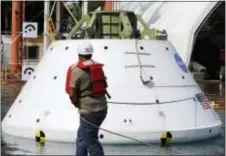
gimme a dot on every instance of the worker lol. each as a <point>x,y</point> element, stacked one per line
<point>87,90</point>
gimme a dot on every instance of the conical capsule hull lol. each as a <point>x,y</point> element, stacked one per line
<point>168,99</point>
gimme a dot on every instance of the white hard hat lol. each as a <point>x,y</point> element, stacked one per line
<point>85,48</point>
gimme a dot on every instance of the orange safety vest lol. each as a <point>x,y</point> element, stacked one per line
<point>68,79</point>
<point>97,76</point>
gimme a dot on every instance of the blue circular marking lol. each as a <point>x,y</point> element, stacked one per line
<point>180,63</point>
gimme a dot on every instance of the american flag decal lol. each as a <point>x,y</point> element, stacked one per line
<point>202,100</point>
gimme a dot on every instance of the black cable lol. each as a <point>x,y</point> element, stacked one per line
<point>124,136</point>
<point>2,45</point>
<point>148,103</point>
<point>131,138</point>
<point>116,133</point>
<point>36,16</point>
<point>2,50</point>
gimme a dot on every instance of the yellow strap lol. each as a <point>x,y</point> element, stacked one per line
<point>51,28</point>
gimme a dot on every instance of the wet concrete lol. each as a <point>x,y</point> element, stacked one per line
<point>215,92</point>
<point>8,94</point>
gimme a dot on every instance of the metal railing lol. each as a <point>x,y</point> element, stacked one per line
<point>9,77</point>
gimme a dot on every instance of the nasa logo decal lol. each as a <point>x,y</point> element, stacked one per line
<point>180,63</point>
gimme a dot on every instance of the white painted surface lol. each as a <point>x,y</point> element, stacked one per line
<point>44,98</point>
<point>45,33</point>
<point>180,19</point>
<point>85,7</point>
<point>58,16</point>
<point>7,41</point>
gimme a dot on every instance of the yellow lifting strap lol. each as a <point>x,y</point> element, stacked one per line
<point>51,28</point>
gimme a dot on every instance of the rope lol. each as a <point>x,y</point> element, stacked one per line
<point>149,103</point>
<point>36,16</point>
<point>121,135</point>
<point>124,136</point>
<point>138,58</point>
<point>20,33</point>
<point>140,64</point>
<point>178,86</point>
<point>154,92</point>
<point>132,138</point>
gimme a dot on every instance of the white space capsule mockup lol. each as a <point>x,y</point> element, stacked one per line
<point>151,89</point>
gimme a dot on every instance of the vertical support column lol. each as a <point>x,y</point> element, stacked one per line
<point>23,20</point>
<point>14,36</point>
<point>5,15</point>
<point>58,16</point>
<point>21,37</point>
<point>84,7</point>
<point>114,6</point>
<point>1,42</point>
<point>118,5</point>
<point>62,10</point>
<point>46,13</point>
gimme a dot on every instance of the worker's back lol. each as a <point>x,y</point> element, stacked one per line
<point>87,103</point>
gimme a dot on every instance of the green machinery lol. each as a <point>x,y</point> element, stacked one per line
<point>113,25</point>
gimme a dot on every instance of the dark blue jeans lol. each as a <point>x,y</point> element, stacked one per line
<point>87,135</point>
